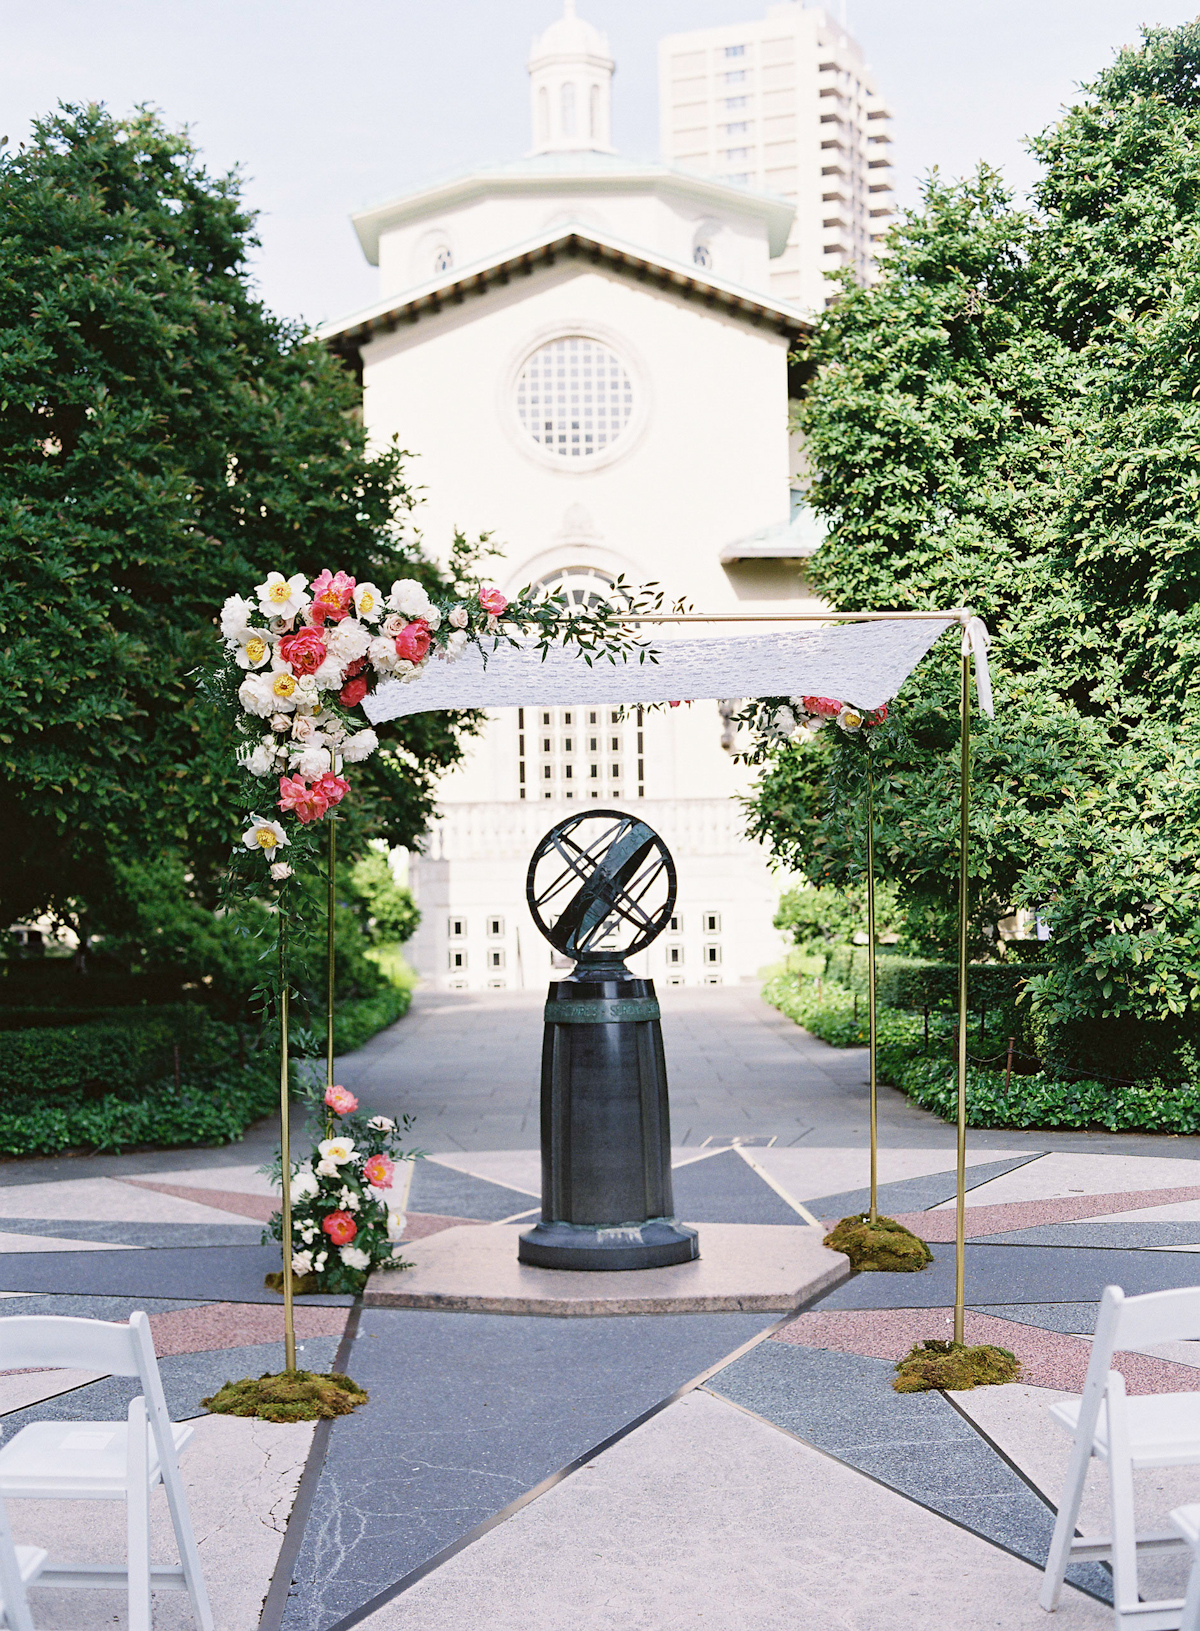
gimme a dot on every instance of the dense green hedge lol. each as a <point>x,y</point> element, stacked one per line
<point>1042,1100</point>
<point>919,983</point>
<point>357,1022</point>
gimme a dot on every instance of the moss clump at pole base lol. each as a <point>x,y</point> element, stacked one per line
<point>289,1396</point>
<point>934,1364</point>
<point>884,1245</point>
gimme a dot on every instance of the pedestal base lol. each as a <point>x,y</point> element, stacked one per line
<point>655,1244</point>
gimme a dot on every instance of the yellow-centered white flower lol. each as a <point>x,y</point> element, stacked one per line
<point>279,596</point>
<point>337,1150</point>
<point>265,835</point>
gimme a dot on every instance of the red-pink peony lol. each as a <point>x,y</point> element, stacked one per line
<point>332,789</point>
<point>352,693</point>
<point>309,803</point>
<point>822,707</point>
<point>412,642</point>
<point>340,1227</point>
<point>341,1101</point>
<point>877,718</point>
<point>333,596</point>
<point>492,601</point>
<point>304,650</point>
<point>379,1172</point>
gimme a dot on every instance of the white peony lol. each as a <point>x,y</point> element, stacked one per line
<point>281,870</point>
<point>264,835</point>
<point>337,1150</point>
<point>454,647</point>
<point>235,615</point>
<point>382,1124</point>
<point>304,1184</point>
<point>347,641</point>
<point>262,761</point>
<point>368,601</point>
<point>409,599</point>
<point>281,597</point>
<point>354,1257</point>
<point>360,746</point>
<point>383,655</point>
<point>311,763</point>
<point>396,1225</point>
<point>257,696</point>
<point>330,676</point>
<point>327,1168</point>
<point>302,1263</point>
<point>253,648</point>
<point>850,719</point>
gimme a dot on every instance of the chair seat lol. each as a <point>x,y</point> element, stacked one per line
<point>80,1460</point>
<point>1164,1428</point>
<point>1187,1520</point>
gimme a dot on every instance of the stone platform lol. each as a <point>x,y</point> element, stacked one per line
<point>742,1268</point>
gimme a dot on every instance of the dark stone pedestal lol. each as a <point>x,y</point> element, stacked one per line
<point>607,1202</point>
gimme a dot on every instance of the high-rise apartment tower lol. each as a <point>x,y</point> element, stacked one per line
<point>786,105</point>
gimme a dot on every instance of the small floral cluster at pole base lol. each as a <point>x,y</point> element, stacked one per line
<point>344,1222</point>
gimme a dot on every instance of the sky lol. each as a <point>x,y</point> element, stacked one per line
<point>326,108</point>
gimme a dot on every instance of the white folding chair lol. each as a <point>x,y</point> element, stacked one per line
<point>1159,1430</point>
<point>105,1460</point>
<point>1187,1521</point>
<point>19,1567</point>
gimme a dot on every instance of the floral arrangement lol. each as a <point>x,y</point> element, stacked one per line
<point>343,1221</point>
<point>776,720</point>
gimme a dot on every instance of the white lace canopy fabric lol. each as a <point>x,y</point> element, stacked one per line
<point>861,663</point>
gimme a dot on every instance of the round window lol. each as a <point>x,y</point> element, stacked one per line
<point>574,397</point>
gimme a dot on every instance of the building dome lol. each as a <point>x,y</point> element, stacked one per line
<point>570,81</point>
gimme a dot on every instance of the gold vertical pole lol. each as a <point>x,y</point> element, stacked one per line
<point>289,1313</point>
<point>871,986</point>
<point>332,907</point>
<point>964,820</point>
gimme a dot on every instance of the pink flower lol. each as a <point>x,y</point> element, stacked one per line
<point>333,596</point>
<point>412,643</point>
<point>379,1172</point>
<point>822,707</point>
<point>672,705</point>
<point>492,601</point>
<point>877,718</point>
<point>332,789</point>
<point>340,1227</point>
<point>340,1100</point>
<point>352,693</point>
<point>309,803</point>
<point>304,650</point>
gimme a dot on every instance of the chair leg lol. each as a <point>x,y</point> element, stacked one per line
<point>185,1538</point>
<point>1064,1526</point>
<point>137,1511</point>
<point>1190,1618</point>
<point>16,1615</point>
<point>1121,1507</point>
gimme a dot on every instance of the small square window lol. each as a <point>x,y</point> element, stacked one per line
<point>495,927</point>
<point>592,718</point>
<point>616,744</point>
<point>712,979</point>
<point>712,954</point>
<point>712,922</point>
<point>495,957</point>
<point>547,773</point>
<point>497,985</point>
<point>566,719</point>
<point>566,744</point>
<point>675,926</point>
<point>458,959</point>
<point>674,956</point>
<point>545,719</point>
<point>674,979</point>
<point>457,985</point>
<point>457,928</point>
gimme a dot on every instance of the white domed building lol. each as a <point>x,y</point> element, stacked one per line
<point>585,358</point>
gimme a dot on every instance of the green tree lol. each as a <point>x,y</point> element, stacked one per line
<point>1010,419</point>
<point>391,913</point>
<point>164,442</point>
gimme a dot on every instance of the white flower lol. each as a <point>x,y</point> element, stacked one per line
<point>348,1200</point>
<point>280,870</point>
<point>303,730</point>
<point>257,696</point>
<point>459,617</point>
<point>368,601</point>
<point>280,722</point>
<point>312,763</point>
<point>302,1263</point>
<point>396,1225</point>
<point>307,1233</point>
<point>327,1168</point>
<point>360,746</point>
<point>347,641</point>
<point>434,618</point>
<point>409,599</point>
<point>330,676</point>
<point>337,1150</point>
<point>307,698</point>
<point>304,1184</point>
<point>383,655</point>
<point>850,719</point>
<point>253,648</point>
<point>261,762</point>
<point>382,1124</point>
<point>454,647</point>
<point>279,596</point>
<point>320,1261</point>
<point>354,1258</point>
<point>235,615</point>
<point>264,835</point>
<point>783,721</point>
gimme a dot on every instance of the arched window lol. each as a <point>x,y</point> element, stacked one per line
<point>574,397</point>
<point>594,114</point>
<point>578,585</point>
<point>443,259</point>
<point>543,114</point>
<point>568,109</point>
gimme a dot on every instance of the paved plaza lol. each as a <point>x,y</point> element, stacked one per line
<point>654,1471</point>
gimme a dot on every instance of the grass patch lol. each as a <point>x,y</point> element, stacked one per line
<point>933,1364</point>
<point>884,1246</point>
<point>289,1396</point>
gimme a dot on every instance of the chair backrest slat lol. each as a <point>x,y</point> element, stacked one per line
<point>53,1340</point>
<point>1159,1316</point>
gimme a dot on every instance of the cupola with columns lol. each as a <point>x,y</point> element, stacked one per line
<point>570,83</point>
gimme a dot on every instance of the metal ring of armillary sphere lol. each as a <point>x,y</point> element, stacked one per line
<point>601,884</point>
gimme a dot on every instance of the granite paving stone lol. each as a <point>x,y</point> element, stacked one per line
<point>916,1443</point>
<point>914,1194</point>
<point>1010,1274</point>
<point>213,1273</point>
<point>467,1412</point>
<point>448,1192</point>
<point>1073,1319</point>
<point>723,1189</point>
<point>1122,1236</point>
<point>140,1234</point>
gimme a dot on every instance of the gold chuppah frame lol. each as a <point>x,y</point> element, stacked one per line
<point>961,617</point>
